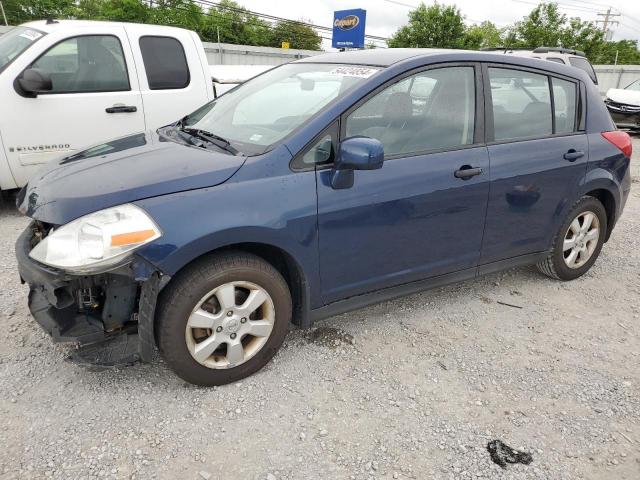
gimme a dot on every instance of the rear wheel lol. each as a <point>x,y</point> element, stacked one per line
<point>223,318</point>
<point>578,242</point>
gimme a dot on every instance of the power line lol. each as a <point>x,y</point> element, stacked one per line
<point>274,17</point>
<point>606,22</point>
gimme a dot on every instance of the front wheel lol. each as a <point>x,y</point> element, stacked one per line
<point>578,242</point>
<point>223,318</point>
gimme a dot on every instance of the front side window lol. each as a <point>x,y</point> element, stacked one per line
<point>263,110</point>
<point>431,110</point>
<point>583,64</point>
<point>521,104</point>
<point>165,63</point>
<point>16,41</point>
<point>91,63</point>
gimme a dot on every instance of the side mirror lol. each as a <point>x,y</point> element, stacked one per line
<point>356,153</point>
<point>34,81</point>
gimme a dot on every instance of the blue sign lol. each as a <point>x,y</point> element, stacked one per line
<point>348,28</point>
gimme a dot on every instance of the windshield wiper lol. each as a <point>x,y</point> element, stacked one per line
<point>211,138</point>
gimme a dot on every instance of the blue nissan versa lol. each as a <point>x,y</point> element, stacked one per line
<point>321,186</point>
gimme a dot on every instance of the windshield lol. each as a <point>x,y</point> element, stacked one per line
<point>262,111</point>
<point>15,42</point>
<point>634,86</point>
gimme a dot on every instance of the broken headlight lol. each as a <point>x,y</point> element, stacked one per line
<point>98,241</point>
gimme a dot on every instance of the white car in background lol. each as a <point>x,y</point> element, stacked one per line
<point>624,105</point>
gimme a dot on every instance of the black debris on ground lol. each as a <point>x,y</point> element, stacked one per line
<point>501,453</point>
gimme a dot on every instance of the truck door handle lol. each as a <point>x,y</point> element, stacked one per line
<point>121,109</point>
<point>572,155</point>
<point>465,172</point>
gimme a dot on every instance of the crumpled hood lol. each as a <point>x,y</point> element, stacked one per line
<point>629,97</point>
<point>123,170</point>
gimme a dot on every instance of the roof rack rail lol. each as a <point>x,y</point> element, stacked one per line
<point>568,51</point>
<point>507,49</point>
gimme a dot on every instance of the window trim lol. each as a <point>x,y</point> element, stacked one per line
<point>146,71</point>
<point>124,58</point>
<point>489,125</point>
<point>478,127</point>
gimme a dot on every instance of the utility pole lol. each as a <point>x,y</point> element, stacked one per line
<point>3,15</point>
<point>607,22</point>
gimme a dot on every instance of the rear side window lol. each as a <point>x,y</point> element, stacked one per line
<point>90,63</point>
<point>431,110</point>
<point>555,59</point>
<point>583,64</point>
<point>564,105</point>
<point>521,104</point>
<point>165,63</point>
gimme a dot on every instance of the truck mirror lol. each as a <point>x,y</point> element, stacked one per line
<point>34,81</point>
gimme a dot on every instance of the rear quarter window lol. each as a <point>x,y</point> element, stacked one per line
<point>583,64</point>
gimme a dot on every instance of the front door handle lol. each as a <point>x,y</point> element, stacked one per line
<point>465,172</point>
<point>572,155</point>
<point>121,109</point>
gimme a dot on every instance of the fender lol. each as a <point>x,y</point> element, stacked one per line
<point>257,210</point>
<point>600,179</point>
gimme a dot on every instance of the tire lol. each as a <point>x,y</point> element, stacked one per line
<point>181,306</point>
<point>556,265</point>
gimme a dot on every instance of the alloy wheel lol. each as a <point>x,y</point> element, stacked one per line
<point>581,239</point>
<point>230,324</point>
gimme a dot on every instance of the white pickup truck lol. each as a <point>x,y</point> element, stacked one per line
<point>65,85</point>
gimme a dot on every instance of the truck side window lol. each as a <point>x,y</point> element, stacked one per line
<point>165,63</point>
<point>90,63</point>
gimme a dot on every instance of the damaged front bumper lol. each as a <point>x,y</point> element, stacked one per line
<point>93,309</point>
<point>624,115</point>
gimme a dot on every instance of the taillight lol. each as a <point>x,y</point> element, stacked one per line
<point>620,139</point>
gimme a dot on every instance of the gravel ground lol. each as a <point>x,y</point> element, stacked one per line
<point>410,389</point>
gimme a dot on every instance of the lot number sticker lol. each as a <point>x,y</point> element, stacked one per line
<point>360,72</point>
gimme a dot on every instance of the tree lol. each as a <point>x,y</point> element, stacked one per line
<point>485,35</point>
<point>625,52</point>
<point>438,26</point>
<point>178,13</point>
<point>19,11</point>
<point>583,36</point>
<point>297,34</point>
<point>543,26</point>
<point>114,10</point>
<point>546,26</point>
<point>233,24</point>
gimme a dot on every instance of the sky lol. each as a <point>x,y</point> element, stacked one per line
<point>384,17</point>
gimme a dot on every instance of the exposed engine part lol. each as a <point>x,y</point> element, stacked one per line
<point>87,299</point>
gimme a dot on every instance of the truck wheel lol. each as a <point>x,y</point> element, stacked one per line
<point>578,242</point>
<point>223,318</point>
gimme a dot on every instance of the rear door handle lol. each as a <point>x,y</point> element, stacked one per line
<point>573,155</point>
<point>465,172</point>
<point>121,109</point>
